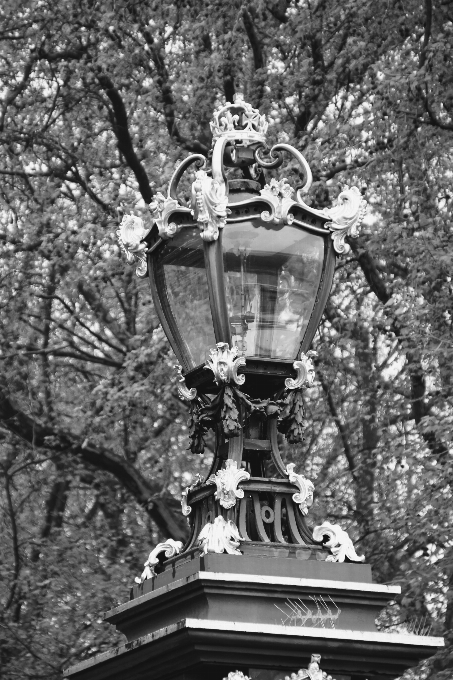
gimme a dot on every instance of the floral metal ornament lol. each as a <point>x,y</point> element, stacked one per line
<point>305,372</point>
<point>226,481</point>
<point>183,391</point>
<point>346,217</point>
<point>161,209</point>
<point>130,235</point>
<point>219,537</point>
<point>313,672</point>
<point>239,122</point>
<point>224,363</point>
<point>185,508</point>
<point>237,675</point>
<point>169,547</point>
<point>209,204</point>
<point>339,543</point>
<point>279,194</point>
<point>304,497</point>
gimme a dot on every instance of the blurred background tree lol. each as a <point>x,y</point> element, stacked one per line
<point>99,100</point>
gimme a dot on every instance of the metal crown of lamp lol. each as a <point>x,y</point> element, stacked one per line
<point>240,279</point>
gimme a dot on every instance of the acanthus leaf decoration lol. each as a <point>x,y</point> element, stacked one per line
<point>224,363</point>
<point>305,372</point>
<point>219,537</point>
<point>131,233</point>
<point>226,481</point>
<point>279,194</point>
<point>346,218</point>
<point>209,204</point>
<point>304,497</point>
<point>169,547</point>
<point>185,508</point>
<point>161,208</point>
<point>339,543</point>
<point>183,391</point>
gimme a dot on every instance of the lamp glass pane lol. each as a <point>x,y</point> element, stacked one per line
<point>272,275</point>
<point>183,291</point>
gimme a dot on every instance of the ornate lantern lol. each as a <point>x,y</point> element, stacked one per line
<point>240,278</point>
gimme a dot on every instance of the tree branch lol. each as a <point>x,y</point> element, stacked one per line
<point>144,492</point>
<point>121,130</point>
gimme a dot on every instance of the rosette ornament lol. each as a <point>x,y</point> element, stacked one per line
<point>224,363</point>
<point>346,217</point>
<point>130,235</point>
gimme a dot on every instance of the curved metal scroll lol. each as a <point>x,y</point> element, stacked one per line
<point>302,162</point>
<point>180,170</point>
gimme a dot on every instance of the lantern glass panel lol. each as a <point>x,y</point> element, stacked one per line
<point>183,290</point>
<point>272,276</point>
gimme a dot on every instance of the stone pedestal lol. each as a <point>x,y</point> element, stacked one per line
<point>205,616</point>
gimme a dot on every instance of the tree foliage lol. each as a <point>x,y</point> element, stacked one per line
<point>99,100</point>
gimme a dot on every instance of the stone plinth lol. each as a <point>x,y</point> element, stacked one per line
<point>204,616</point>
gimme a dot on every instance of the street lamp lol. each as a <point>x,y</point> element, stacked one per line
<point>248,263</point>
<point>240,274</point>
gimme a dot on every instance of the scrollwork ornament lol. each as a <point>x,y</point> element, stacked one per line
<point>227,481</point>
<point>339,543</point>
<point>219,537</point>
<point>161,208</point>
<point>237,675</point>
<point>346,218</point>
<point>304,497</point>
<point>209,205</point>
<point>183,391</point>
<point>224,363</point>
<point>305,372</point>
<point>185,508</point>
<point>169,547</point>
<point>130,235</point>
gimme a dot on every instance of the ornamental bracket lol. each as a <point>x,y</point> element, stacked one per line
<point>346,218</point>
<point>209,204</point>
<point>219,537</point>
<point>313,672</point>
<point>304,497</point>
<point>185,508</point>
<point>226,481</point>
<point>278,193</point>
<point>169,547</point>
<point>224,363</point>
<point>183,391</point>
<point>339,543</point>
<point>305,372</point>
<point>130,235</point>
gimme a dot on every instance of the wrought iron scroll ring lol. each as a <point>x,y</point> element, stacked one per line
<point>276,158</point>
